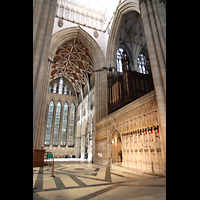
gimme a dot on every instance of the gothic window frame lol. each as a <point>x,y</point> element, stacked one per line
<point>65,89</point>
<point>64,125</point>
<point>49,124</point>
<point>119,55</point>
<point>60,89</point>
<point>57,124</point>
<point>55,88</point>
<point>142,64</point>
<point>72,124</point>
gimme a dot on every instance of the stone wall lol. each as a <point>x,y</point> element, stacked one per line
<point>85,125</point>
<point>61,152</point>
<point>141,138</point>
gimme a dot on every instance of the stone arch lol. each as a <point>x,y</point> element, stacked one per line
<point>50,99</point>
<point>97,56</point>
<point>77,32</point>
<point>123,8</point>
<point>114,148</point>
<point>113,129</point>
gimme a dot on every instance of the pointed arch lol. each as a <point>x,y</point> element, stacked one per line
<point>114,144</point>
<point>97,56</point>
<point>77,32</point>
<point>113,43</point>
<point>110,134</point>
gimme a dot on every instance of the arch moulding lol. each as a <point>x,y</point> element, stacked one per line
<point>110,133</point>
<point>97,56</point>
<point>123,8</point>
<point>77,32</point>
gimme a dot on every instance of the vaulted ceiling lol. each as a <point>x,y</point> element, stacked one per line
<point>73,61</point>
<point>132,36</point>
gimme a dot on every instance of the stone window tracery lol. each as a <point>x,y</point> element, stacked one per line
<point>49,124</point>
<point>71,125</point>
<point>54,88</point>
<point>121,53</point>
<point>64,125</point>
<point>61,86</point>
<point>73,61</point>
<point>59,117</point>
<point>143,64</point>
<point>57,124</point>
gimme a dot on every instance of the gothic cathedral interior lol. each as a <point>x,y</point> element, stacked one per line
<point>99,81</point>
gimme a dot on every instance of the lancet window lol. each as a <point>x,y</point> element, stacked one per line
<point>61,86</point>
<point>143,64</point>
<point>122,57</point>
<point>71,126</point>
<point>49,123</point>
<point>64,125</point>
<point>62,128</point>
<point>57,124</point>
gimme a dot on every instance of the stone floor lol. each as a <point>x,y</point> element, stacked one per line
<point>81,180</point>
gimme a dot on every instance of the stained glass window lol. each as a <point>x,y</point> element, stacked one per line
<point>121,56</point>
<point>49,124</point>
<point>142,64</point>
<point>65,89</point>
<point>64,125</point>
<point>54,88</point>
<point>60,85</point>
<point>57,124</point>
<point>119,59</point>
<point>71,126</point>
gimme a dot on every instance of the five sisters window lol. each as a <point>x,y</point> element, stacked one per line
<point>61,116</point>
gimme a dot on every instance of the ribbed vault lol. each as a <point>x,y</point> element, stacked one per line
<point>73,61</point>
<point>86,56</point>
<point>125,30</point>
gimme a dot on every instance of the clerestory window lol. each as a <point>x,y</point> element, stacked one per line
<point>143,64</point>
<point>61,86</point>
<point>121,56</point>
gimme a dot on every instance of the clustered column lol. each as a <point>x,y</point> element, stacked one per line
<point>43,18</point>
<point>153,16</point>
<point>100,93</point>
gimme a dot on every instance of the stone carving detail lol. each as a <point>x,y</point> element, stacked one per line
<point>139,128</point>
<point>77,13</point>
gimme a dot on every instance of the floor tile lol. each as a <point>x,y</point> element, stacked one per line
<point>83,181</point>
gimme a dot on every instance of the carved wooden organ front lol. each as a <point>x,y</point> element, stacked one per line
<point>127,86</point>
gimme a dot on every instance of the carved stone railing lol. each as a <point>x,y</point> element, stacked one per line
<point>80,14</point>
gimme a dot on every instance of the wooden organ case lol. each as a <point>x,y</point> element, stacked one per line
<point>126,86</point>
